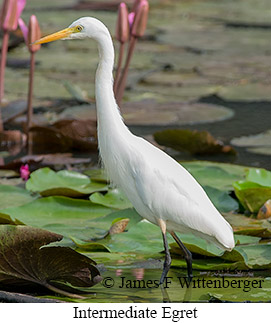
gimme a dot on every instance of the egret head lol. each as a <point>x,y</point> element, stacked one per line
<point>79,29</point>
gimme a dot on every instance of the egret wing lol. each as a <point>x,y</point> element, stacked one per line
<point>170,192</point>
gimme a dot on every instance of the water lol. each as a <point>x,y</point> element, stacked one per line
<point>249,118</point>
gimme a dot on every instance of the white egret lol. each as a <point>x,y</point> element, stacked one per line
<point>161,190</point>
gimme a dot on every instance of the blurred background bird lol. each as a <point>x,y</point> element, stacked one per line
<point>159,188</point>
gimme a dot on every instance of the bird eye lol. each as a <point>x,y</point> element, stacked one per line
<point>79,28</point>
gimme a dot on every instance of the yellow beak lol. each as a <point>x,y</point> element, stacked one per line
<point>56,36</point>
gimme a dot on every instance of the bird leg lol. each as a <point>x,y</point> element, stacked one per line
<point>187,255</point>
<point>167,262</point>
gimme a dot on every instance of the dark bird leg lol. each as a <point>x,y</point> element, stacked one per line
<point>187,255</point>
<point>167,262</point>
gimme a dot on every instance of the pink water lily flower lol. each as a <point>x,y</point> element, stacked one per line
<point>10,13</point>
<point>24,29</point>
<point>30,33</point>
<point>24,172</point>
<point>140,19</point>
<point>131,18</point>
<point>122,30</point>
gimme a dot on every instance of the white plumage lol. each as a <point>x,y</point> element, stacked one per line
<point>161,190</point>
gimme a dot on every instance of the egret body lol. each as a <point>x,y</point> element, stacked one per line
<point>160,189</point>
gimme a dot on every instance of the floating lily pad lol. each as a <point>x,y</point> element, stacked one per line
<point>201,247</point>
<point>246,256</point>
<point>106,221</point>
<point>118,226</point>
<point>251,195</point>
<point>66,216</point>
<point>24,262</point>
<point>248,92</point>
<point>255,256</point>
<point>6,219</point>
<point>143,237</point>
<point>222,201</point>
<point>195,142</point>
<point>114,199</point>
<point>79,219</point>
<point>217,175</point>
<point>97,175</point>
<point>249,226</point>
<point>262,139</point>
<point>14,196</point>
<point>197,245</point>
<point>67,183</point>
<point>260,150</point>
<point>8,173</point>
<point>255,191</point>
<point>260,292</point>
<point>90,246</point>
<point>259,176</point>
<point>152,111</point>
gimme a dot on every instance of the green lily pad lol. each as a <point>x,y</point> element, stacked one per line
<point>217,179</point>
<point>96,246</point>
<point>6,219</point>
<point>222,201</point>
<point>251,195</point>
<point>197,245</point>
<point>79,219</point>
<point>244,225</point>
<point>14,196</point>
<point>244,256</point>
<point>217,175</point>
<point>259,176</point>
<point>239,295</point>
<point>97,175</point>
<point>236,255</point>
<point>200,246</point>
<point>90,246</point>
<point>106,221</point>
<point>255,191</point>
<point>62,215</point>
<point>229,168</point>
<point>103,223</point>
<point>66,183</point>
<point>258,255</point>
<point>143,237</point>
<point>255,256</point>
<point>242,239</point>
<point>114,198</point>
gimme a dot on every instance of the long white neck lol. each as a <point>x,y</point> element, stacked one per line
<point>111,129</point>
